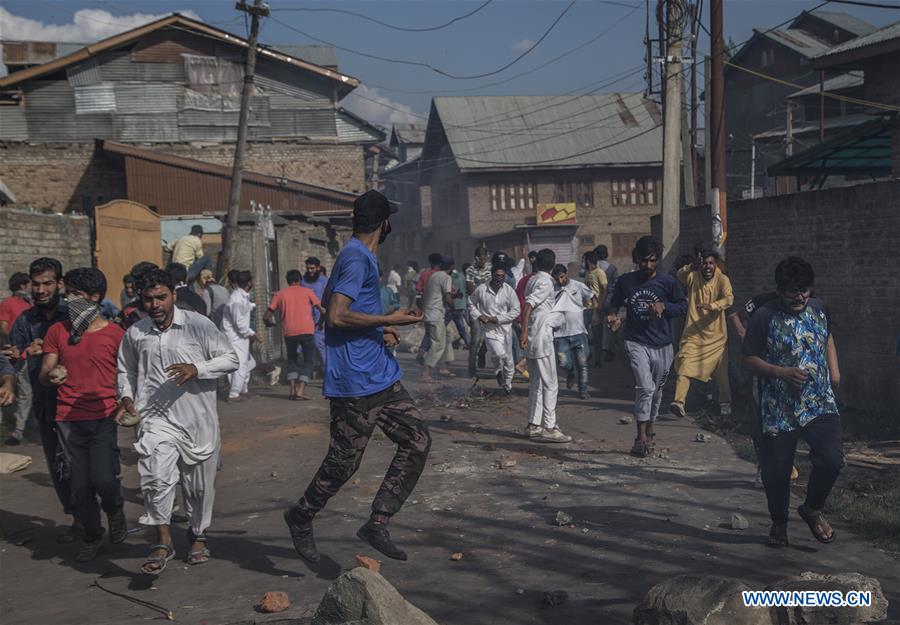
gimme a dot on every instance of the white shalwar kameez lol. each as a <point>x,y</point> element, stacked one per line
<point>236,325</point>
<point>504,305</point>
<point>178,434</point>
<point>540,353</point>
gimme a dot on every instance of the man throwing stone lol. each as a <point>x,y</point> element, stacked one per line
<point>168,365</point>
<point>362,380</point>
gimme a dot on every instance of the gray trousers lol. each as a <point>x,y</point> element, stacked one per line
<point>23,397</point>
<point>650,366</point>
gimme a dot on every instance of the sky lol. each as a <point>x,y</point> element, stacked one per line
<point>482,43</point>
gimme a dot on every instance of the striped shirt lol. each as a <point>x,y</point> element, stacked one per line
<point>478,276</point>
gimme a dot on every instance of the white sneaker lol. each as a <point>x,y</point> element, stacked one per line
<point>274,375</point>
<point>555,436</point>
<point>533,431</point>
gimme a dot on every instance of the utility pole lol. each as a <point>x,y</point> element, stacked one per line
<point>695,165</point>
<point>716,151</point>
<point>671,200</point>
<point>255,10</point>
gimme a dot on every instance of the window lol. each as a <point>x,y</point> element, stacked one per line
<point>445,200</point>
<point>768,57</point>
<point>586,241</point>
<point>634,192</point>
<point>580,192</point>
<point>520,196</point>
<point>623,243</point>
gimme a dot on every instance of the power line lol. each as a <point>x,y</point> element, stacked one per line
<point>429,66</point>
<point>595,38</point>
<point>385,24</point>
<point>874,5</point>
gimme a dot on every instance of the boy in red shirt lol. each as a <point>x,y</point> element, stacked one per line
<point>15,304</point>
<point>295,305</point>
<point>80,359</point>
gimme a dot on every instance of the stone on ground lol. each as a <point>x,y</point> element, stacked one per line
<point>364,597</point>
<point>739,522</point>
<point>844,582</point>
<point>276,601</point>
<point>698,600</point>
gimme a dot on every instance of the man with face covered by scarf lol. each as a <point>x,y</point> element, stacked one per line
<point>79,359</point>
<point>362,381</point>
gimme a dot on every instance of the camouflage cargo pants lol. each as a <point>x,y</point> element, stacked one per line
<point>353,420</point>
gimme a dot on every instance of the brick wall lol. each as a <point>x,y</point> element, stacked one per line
<point>73,176</point>
<point>327,165</point>
<point>66,177</point>
<point>25,236</point>
<point>849,234</point>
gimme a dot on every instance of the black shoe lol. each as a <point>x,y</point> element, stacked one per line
<point>378,536</point>
<point>72,534</point>
<point>89,551</point>
<point>584,395</point>
<point>302,535</point>
<point>118,526</point>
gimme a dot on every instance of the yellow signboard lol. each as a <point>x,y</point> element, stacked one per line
<point>559,213</point>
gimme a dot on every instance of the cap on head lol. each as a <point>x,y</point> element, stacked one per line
<point>197,230</point>
<point>371,208</point>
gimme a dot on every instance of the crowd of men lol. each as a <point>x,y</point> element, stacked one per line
<point>81,368</point>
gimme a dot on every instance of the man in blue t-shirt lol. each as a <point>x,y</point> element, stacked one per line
<point>362,380</point>
<point>652,300</point>
<point>790,348</point>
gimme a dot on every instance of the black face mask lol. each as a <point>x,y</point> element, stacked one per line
<point>385,231</point>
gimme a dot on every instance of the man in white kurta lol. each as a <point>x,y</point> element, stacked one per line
<point>494,305</point>
<point>539,319</point>
<point>236,325</point>
<point>167,370</point>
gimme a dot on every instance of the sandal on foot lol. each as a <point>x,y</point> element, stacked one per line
<point>817,523</point>
<point>778,537</point>
<point>640,449</point>
<point>198,556</point>
<point>156,564</point>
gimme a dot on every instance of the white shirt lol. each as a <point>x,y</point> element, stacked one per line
<point>394,281</point>
<point>541,294</point>
<point>504,305</point>
<point>185,414</point>
<point>570,301</point>
<point>519,270</point>
<point>439,284</point>
<point>236,320</point>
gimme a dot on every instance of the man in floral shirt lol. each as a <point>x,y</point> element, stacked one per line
<point>789,347</point>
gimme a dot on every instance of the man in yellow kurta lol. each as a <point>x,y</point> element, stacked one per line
<point>703,353</point>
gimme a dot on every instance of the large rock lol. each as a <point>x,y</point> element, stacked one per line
<point>363,597</point>
<point>844,582</point>
<point>698,600</point>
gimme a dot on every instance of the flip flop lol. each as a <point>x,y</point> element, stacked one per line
<point>816,521</point>
<point>159,561</point>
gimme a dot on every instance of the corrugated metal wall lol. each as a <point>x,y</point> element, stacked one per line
<point>174,86</point>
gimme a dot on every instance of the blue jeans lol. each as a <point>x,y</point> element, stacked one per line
<point>572,353</point>
<point>204,262</point>
<point>460,318</point>
<point>305,343</point>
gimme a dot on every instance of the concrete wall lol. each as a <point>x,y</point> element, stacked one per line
<point>25,236</point>
<point>849,234</point>
<point>71,177</point>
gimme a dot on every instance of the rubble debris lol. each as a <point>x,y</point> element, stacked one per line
<point>274,601</point>
<point>563,518</point>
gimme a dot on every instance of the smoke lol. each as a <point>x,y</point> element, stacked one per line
<point>371,105</point>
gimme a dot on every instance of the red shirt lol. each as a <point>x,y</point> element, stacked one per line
<point>12,307</point>
<point>295,304</point>
<point>423,279</point>
<point>520,290</point>
<point>89,391</point>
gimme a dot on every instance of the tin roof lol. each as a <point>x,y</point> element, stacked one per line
<point>550,132</point>
<point>890,34</point>
<point>407,133</point>
<point>842,20</point>
<point>836,83</point>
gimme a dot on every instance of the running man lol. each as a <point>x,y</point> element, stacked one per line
<point>573,350</point>
<point>539,320</point>
<point>703,353</point>
<point>80,361</point>
<point>652,299</point>
<point>790,348</point>
<point>362,381</point>
<point>236,325</point>
<point>494,306</point>
<point>168,365</point>
<point>295,305</point>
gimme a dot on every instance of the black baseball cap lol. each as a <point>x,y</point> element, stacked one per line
<point>372,208</point>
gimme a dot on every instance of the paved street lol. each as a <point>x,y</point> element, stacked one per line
<point>636,522</point>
